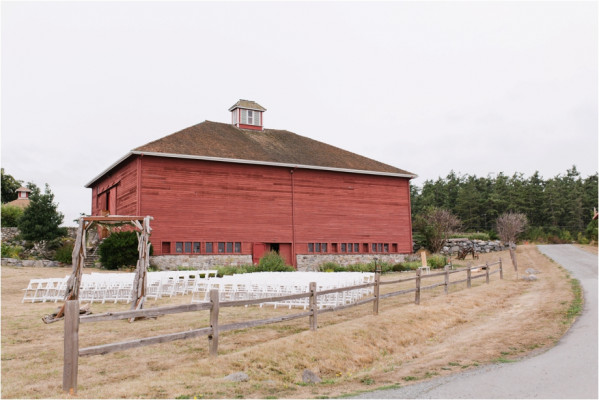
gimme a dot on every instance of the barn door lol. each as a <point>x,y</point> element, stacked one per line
<point>258,251</point>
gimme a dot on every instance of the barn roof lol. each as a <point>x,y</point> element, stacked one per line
<point>224,142</point>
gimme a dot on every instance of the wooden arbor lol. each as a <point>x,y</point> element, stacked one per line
<point>138,293</point>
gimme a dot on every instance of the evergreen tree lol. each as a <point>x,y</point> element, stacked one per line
<point>41,219</point>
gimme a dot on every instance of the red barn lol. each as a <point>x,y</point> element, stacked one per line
<point>227,193</point>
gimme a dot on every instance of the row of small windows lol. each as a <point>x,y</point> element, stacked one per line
<point>352,247</point>
<point>202,247</point>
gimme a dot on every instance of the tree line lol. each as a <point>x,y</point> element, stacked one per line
<point>560,207</point>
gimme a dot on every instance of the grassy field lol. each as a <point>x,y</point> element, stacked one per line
<point>352,350</point>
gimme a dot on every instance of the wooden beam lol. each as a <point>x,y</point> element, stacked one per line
<point>130,344</point>
<point>71,347</point>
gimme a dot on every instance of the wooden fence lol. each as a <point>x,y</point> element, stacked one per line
<point>72,352</point>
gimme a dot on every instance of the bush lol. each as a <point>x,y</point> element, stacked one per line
<point>64,254</point>
<point>591,230</point>
<point>407,266</point>
<point>582,239</point>
<point>272,261</point>
<point>119,250</point>
<point>9,251</point>
<point>436,261</point>
<point>11,215</point>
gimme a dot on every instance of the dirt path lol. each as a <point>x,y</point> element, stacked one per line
<point>569,370</point>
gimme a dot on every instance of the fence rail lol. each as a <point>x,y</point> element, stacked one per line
<point>72,352</point>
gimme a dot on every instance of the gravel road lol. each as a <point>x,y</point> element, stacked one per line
<point>566,371</point>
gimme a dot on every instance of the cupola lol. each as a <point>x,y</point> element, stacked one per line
<point>247,114</point>
<point>23,193</point>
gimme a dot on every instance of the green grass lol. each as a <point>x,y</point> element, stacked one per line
<point>503,360</point>
<point>577,304</point>
<point>409,378</point>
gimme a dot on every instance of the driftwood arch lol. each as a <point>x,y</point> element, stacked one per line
<point>138,293</point>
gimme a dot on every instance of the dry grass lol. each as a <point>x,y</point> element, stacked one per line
<point>352,350</point>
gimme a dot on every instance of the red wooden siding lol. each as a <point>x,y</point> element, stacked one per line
<point>121,187</point>
<point>206,201</point>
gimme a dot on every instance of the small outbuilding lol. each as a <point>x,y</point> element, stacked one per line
<point>227,193</point>
<point>22,200</point>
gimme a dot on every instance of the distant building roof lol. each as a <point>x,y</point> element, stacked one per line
<point>23,189</point>
<point>22,203</point>
<point>249,104</point>
<point>217,141</point>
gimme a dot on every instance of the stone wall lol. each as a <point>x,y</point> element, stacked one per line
<point>201,262</point>
<point>310,262</point>
<point>13,262</point>
<point>9,234</point>
<point>452,246</point>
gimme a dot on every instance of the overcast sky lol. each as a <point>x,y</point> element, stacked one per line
<point>429,87</point>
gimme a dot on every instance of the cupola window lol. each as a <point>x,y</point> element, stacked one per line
<point>247,114</point>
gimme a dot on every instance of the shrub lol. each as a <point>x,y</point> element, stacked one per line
<point>11,215</point>
<point>407,266</point>
<point>272,261</point>
<point>331,266</point>
<point>9,251</point>
<point>591,230</point>
<point>118,250</point>
<point>436,261</point>
<point>64,254</point>
<point>582,239</point>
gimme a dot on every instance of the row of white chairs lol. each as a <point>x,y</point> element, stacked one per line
<point>276,284</point>
<point>115,287</point>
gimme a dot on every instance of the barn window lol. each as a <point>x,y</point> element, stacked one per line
<point>237,247</point>
<point>394,247</point>
<point>343,247</point>
<point>209,248</point>
<point>317,247</point>
<point>323,247</point>
<point>311,247</point>
<point>374,247</point>
<point>166,247</point>
<point>334,247</point>
<point>229,247</point>
<point>386,247</point>
<point>221,247</point>
<point>179,247</point>
<point>197,247</point>
<point>379,247</point>
<point>188,247</point>
<point>356,247</point>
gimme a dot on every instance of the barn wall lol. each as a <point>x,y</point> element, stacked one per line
<point>203,201</point>
<point>196,201</point>
<point>121,182</point>
<point>206,201</point>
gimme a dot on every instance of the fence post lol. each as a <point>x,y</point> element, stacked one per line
<point>469,277</point>
<point>446,279</point>
<point>313,307</point>
<point>487,272</point>
<point>500,269</point>
<point>377,279</point>
<point>213,338</point>
<point>71,347</point>
<point>417,299</point>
